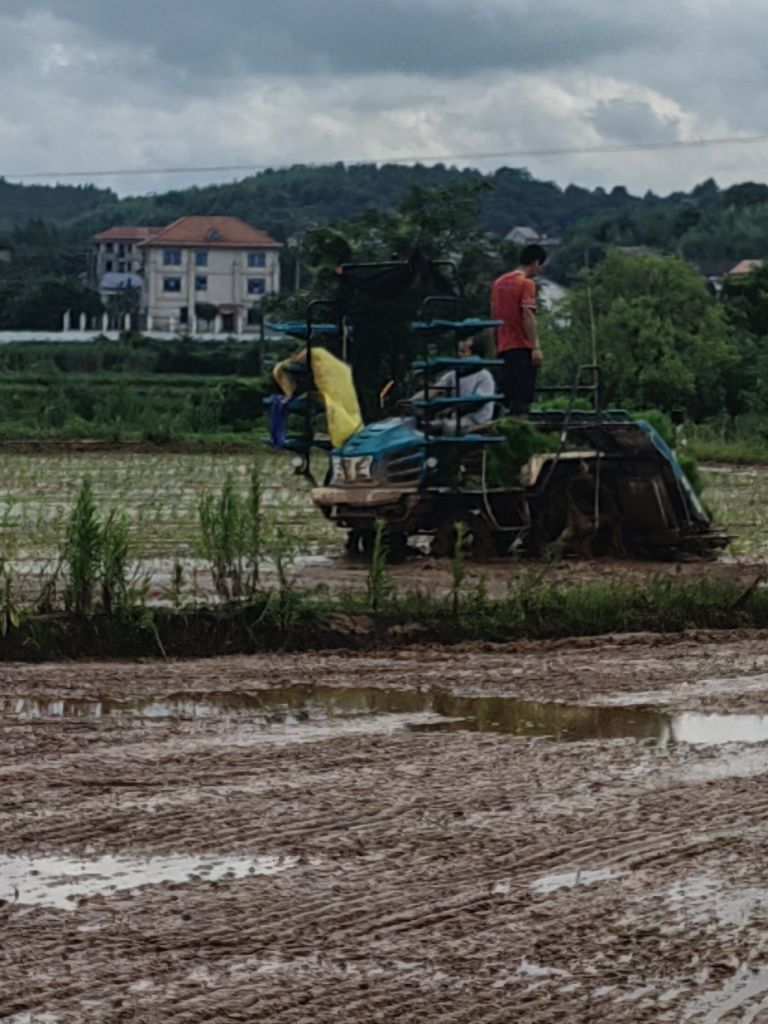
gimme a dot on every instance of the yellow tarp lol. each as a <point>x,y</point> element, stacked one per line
<point>333,381</point>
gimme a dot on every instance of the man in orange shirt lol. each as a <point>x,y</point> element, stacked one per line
<point>513,300</point>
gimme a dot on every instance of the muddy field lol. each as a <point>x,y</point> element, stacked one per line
<point>533,833</point>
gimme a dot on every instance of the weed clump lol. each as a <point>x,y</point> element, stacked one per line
<point>232,535</point>
<point>96,557</point>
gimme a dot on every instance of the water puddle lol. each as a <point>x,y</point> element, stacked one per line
<point>61,882</point>
<point>432,710</point>
<point>571,879</point>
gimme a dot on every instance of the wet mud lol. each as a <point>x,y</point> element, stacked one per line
<point>570,831</point>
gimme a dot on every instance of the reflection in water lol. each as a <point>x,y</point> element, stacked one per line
<point>303,703</point>
<point>61,882</point>
<point>711,729</point>
<point>298,704</point>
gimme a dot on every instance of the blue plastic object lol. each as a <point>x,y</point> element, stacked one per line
<point>447,402</point>
<point>298,329</point>
<point>383,438</point>
<point>440,326</point>
<point>466,439</point>
<point>278,411</point>
<point>444,363</point>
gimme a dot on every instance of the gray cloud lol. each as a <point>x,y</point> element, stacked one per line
<point>442,37</point>
<point>630,121</point>
<point>158,83</point>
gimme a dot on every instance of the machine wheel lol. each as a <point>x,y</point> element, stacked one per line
<point>360,544</point>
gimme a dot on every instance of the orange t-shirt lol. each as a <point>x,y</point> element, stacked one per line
<point>510,295</point>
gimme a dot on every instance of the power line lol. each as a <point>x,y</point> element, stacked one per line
<point>439,158</point>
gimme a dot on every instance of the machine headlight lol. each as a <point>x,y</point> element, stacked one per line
<point>351,470</point>
<point>364,467</point>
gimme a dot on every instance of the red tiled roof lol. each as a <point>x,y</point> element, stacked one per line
<point>213,232</point>
<point>126,234</point>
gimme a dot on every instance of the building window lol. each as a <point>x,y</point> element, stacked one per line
<point>254,316</point>
<point>172,257</point>
<point>108,266</point>
<point>256,286</point>
<point>201,259</point>
<point>121,250</point>
<point>129,247</point>
<point>184,315</point>
<point>121,267</point>
<point>171,284</point>
<point>109,247</point>
<point>201,283</point>
<point>257,259</point>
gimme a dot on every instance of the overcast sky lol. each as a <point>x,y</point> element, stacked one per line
<point>103,84</point>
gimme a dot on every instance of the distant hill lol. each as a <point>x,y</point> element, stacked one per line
<point>21,203</point>
<point>286,201</point>
<point>706,224</point>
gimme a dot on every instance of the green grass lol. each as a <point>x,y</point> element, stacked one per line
<point>738,500</point>
<point>743,440</point>
<point>741,452</point>
<point>295,620</point>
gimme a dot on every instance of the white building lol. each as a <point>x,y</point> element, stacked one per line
<point>216,262</point>
<point>523,235</point>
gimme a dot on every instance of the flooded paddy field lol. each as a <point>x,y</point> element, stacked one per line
<point>538,832</point>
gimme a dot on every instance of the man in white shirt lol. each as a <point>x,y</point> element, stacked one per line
<point>479,383</point>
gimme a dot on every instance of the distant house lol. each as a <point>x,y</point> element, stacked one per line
<point>523,235</point>
<point>218,262</point>
<point>744,267</point>
<point>117,253</point>
<point>713,272</point>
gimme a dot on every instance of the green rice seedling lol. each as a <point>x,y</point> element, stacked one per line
<point>176,589</point>
<point>230,528</point>
<point>82,551</point>
<point>10,614</point>
<point>379,584</point>
<point>458,565</point>
<point>255,523</point>
<point>114,550</point>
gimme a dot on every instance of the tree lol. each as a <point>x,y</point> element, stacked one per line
<point>40,303</point>
<point>662,341</point>
<point>206,312</point>
<point>125,302</point>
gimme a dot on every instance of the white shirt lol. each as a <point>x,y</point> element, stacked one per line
<point>480,383</point>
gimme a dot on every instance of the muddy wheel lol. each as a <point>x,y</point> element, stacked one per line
<point>397,547</point>
<point>359,543</point>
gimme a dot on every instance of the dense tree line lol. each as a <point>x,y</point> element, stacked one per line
<point>290,200</point>
<point>711,227</point>
<point>22,203</point>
